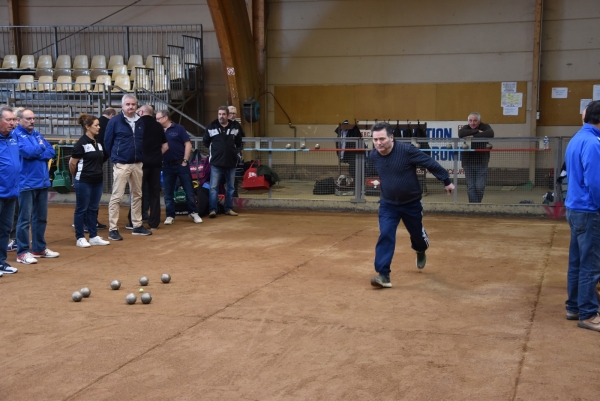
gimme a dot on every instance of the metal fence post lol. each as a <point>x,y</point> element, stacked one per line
<point>55,45</point>
<point>127,42</point>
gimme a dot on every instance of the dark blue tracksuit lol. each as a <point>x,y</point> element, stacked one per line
<point>401,199</point>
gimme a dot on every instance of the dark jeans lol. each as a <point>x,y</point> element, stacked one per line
<point>13,230</point>
<point>33,208</point>
<point>476,177</point>
<point>389,217</point>
<point>7,211</point>
<point>584,263</point>
<point>216,176</point>
<point>87,202</point>
<point>150,196</point>
<point>170,175</point>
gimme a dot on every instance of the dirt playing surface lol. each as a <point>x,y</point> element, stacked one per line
<point>277,305</point>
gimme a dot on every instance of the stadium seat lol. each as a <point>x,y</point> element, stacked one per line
<point>45,83</point>
<point>98,61</point>
<point>78,72</point>
<point>27,63</point>
<point>63,61</point>
<point>143,82</point>
<point>135,60</point>
<point>174,59</point>
<point>134,72</point>
<point>62,72</point>
<point>115,60</point>
<point>151,60</point>
<point>161,83</point>
<point>45,61</point>
<point>10,62</point>
<point>81,62</point>
<point>26,83</point>
<point>176,71</point>
<point>159,69</point>
<point>190,58</point>
<point>82,84</point>
<point>123,82</point>
<point>96,72</point>
<point>64,84</point>
<point>119,70</point>
<point>44,72</point>
<point>100,80</point>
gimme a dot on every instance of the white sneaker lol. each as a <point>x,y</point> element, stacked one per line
<point>195,217</point>
<point>82,243</point>
<point>46,253</point>
<point>26,258</point>
<point>169,220</point>
<point>98,241</point>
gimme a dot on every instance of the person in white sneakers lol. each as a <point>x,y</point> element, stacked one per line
<point>34,152</point>
<point>85,166</point>
<point>176,165</point>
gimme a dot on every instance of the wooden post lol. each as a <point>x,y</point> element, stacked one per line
<point>535,82</point>
<point>14,20</point>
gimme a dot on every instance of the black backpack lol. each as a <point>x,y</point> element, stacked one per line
<point>325,186</point>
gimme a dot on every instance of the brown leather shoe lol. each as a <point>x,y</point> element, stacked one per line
<point>230,213</point>
<point>592,323</point>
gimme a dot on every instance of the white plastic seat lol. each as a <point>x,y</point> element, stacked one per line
<point>142,81</point>
<point>44,72</point>
<point>190,58</point>
<point>81,62</point>
<point>64,83</point>
<point>100,80</point>
<point>123,82</point>
<point>98,61</point>
<point>78,72</point>
<point>10,62</point>
<point>152,61</point>
<point>27,63</point>
<point>62,72</point>
<point>135,71</point>
<point>176,71</point>
<point>119,70</point>
<point>174,58</point>
<point>63,61</point>
<point>45,61</point>
<point>45,83</point>
<point>82,84</point>
<point>161,83</point>
<point>26,83</point>
<point>135,60</point>
<point>115,60</point>
<point>96,72</point>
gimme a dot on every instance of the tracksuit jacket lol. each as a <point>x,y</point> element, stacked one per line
<point>34,159</point>
<point>224,143</point>
<point>10,166</point>
<point>583,169</point>
<point>123,144</point>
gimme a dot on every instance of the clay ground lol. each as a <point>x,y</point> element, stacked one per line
<point>277,305</point>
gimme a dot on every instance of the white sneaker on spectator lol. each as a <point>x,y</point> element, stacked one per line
<point>26,258</point>
<point>169,220</point>
<point>195,217</point>
<point>46,253</point>
<point>83,243</point>
<point>98,241</point>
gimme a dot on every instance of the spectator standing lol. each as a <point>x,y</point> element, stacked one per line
<point>10,167</point>
<point>12,244</point>
<point>123,142</point>
<point>85,166</point>
<point>35,152</point>
<point>224,141</point>
<point>176,165</point>
<point>475,164</point>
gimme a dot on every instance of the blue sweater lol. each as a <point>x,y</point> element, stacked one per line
<point>583,169</point>
<point>121,143</point>
<point>398,172</point>
<point>35,152</point>
<point>10,166</point>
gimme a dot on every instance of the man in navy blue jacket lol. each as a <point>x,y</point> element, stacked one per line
<point>583,207</point>
<point>123,141</point>
<point>10,166</point>
<point>396,164</point>
<point>34,182</point>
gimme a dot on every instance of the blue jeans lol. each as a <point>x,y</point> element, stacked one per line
<point>389,218</point>
<point>216,175</point>
<point>7,211</point>
<point>87,201</point>
<point>584,263</point>
<point>476,177</point>
<point>33,208</point>
<point>170,175</point>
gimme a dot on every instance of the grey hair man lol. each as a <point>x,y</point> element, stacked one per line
<point>123,142</point>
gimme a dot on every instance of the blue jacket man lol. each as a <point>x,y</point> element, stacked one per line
<point>10,166</point>
<point>123,141</point>
<point>35,152</point>
<point>583,215</point>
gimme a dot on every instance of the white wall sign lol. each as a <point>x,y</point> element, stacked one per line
<point>583,104</point>
<point>560,93</point>
<point>510,111</point>
<point>596,92</point>
<point>509,87</point>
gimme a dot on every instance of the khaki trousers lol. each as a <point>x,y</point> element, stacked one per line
<point>122,174</point>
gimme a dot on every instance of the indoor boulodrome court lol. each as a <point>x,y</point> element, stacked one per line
<point>277,305</point>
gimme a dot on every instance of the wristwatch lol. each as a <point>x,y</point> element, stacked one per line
<point>185,160</point>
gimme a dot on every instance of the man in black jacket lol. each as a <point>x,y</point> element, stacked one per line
<point>475,164</point>
<point>224,141</point>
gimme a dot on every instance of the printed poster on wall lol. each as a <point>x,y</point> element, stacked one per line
<point>560,93</point>
<point>583,103</point>
<point>509,87</point>
<point>596,92</point>
<point>512,100</point>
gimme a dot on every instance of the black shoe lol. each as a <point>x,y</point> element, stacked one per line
<point>381,281</point>
<point>129,226</point>
<point>421,260</point>
<point>212,214</point>
<point>572,316</point>
<point>100,226</point>
<point>141,230</point>
<point>115,236</point>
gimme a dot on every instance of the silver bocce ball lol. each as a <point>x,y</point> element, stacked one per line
<point>131,298</point>
<point>317,146</point>
<point>115,284</point>
<point>85,292</point>
<point>288,146</point>
<point>303,146</point>
<point>165,278</point>
<point>77,297</point>
<point>146,298</point>
<point>144,281</point>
